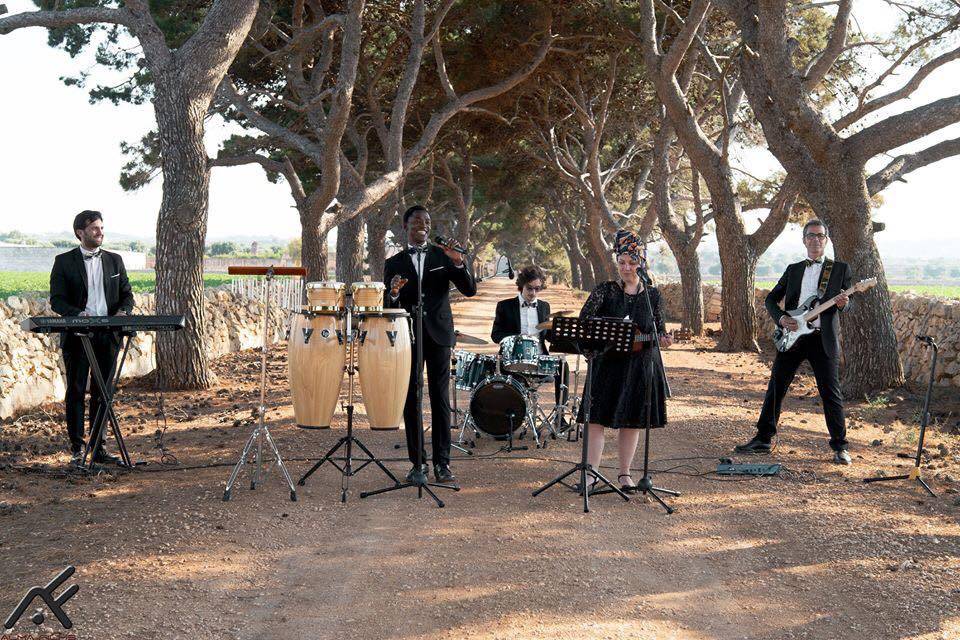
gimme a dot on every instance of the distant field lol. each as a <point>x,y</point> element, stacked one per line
<point>17,282</point>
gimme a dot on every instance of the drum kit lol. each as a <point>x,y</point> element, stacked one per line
<point>503,391</point>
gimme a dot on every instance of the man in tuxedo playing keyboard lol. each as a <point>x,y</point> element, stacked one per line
<point>88,281</point>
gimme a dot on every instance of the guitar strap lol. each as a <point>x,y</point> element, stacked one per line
<point>824,278</point>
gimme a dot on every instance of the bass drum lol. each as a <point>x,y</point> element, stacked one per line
<point>499,404</point>
<point>316,355</point>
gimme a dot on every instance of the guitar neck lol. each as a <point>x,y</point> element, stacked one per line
<point>823,306</point>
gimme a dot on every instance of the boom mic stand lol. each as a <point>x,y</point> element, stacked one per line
<point>418,478</point>
<point>645,486</point>
<point>924,421</point>
<point>592,337</point>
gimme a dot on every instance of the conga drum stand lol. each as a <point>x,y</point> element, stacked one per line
<point>591,336</point>
<point>261,433</point>
<point>349,440</point>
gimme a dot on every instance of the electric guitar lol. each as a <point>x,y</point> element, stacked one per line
<point>810,311</point>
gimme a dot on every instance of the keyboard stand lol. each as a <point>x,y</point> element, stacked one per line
<point>105,412</point>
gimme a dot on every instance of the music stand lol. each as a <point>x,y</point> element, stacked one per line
<point>349,440</point>
<point>590,337</point>
<point>924,421</point>
<point>261,432</point>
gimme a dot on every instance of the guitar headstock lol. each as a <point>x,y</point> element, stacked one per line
<point>863,285</point>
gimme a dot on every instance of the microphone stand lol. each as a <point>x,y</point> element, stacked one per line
<point>645,486</point>
<point>418,478</point>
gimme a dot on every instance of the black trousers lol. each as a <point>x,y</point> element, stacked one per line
<point>437,360</point>
<point>77,367</point>
<point>826,371</point>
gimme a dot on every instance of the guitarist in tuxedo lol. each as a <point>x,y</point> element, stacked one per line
<point>823,278</point>
<point>437,268</point>
<point>88,281</point>
<point>521,314</point>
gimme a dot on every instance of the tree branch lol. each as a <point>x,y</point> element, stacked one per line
<point>835,46</point>
<point>905,127</point>
<point>904,164</point>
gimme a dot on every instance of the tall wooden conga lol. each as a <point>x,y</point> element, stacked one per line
<point>384,361</point>
<point>316,355</point>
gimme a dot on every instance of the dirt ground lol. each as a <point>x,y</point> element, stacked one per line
<point>813,553</point>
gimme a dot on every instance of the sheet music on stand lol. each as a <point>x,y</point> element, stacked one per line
<point>593,334</point>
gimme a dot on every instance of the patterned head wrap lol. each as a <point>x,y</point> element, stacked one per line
<point>627,242</point>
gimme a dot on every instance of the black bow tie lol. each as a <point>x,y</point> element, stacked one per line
<point>415,250</point>
<point>89,256</point>
<point>529,304</point>
<point>810,262</point>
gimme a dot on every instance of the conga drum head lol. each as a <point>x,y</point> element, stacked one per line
<point>367,296</point>
<point>325,296</point>
<point>499,404</point>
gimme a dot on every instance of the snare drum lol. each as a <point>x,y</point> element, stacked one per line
<point>325,296</point>
<point>520,354</point>
<point>499,404</point>
<point>472,368</point>
<point>367,296</point>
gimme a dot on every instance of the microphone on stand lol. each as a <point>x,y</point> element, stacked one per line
<point>449,243</point>
<point>509,268</point>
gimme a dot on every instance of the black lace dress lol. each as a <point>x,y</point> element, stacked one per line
<point>618,379</point>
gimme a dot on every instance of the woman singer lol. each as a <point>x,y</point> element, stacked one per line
<point>618,385</point>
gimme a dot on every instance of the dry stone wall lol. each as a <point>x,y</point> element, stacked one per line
<point>31,367</point>
<point>912,315</point>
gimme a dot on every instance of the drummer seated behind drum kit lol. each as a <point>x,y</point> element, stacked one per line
<point>504,388</point>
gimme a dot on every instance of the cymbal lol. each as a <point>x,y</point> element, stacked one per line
<point>548,324</point>
<point>466,338</point>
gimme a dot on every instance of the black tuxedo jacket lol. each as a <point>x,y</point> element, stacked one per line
<point>506,321</point>
<point>438,273</point>
<point>787,290</point>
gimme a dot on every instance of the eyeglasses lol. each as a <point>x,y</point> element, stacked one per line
<point>818,236</point>
<point>529,288</point>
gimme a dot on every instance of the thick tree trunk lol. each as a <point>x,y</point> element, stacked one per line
<point>314,255</point>
<point>181,232</point>
<point>575,280</point>
<point>691,282</point>
<point>738,318</point>
<point>869,339</point>
<point>351,248</point>
<point>599,256</point>
<point>377,225</point>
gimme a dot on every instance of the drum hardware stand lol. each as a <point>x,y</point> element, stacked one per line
<point>591,336</point>
<point>347,470</point>
<point>418,479</point>
<point>261,432</point>
<point>924,421</point>
<point>645,486</point>
<point>458,445</point>
<point>509,446</point>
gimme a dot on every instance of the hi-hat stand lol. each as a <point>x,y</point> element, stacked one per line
<point>261,433</point>
<point>924,421</point>
<point>591,337</point>
<point>349,440</point>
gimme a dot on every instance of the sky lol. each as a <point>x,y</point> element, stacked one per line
<point>61,155</point>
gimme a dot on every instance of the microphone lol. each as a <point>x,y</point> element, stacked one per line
<point>925,339</point>
<point>448,243</point>
<point>509,269</point>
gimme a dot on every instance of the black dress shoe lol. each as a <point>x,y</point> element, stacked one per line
<point>76,458</point>
<point>103,457</point>
<point>424,471</point>
<point>443,474</point>
<point>756,445</point>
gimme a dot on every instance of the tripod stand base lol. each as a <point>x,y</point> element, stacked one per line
<point>910,476</point>
<point>586,489</point>
<point>419,481</point>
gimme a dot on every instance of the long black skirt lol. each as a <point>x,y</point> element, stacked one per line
<point>618,391</point>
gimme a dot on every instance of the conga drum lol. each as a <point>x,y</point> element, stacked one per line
<point>384,362</point>
<point>316,355</point>
<point>367,296</point>
<point>325,296</point>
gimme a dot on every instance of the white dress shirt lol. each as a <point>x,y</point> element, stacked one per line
<point>528,318</point>
<point>418,258</point>
<point>808,286</point>
<point>96,301</point>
